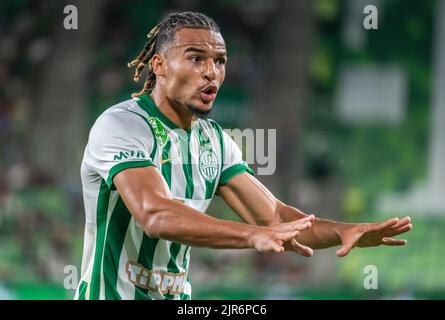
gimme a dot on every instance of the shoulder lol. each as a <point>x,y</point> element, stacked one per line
<point>123,124</point>
<point>126,115</point>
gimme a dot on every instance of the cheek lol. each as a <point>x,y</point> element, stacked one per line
<point>182,78</point>
<point>180,82</point>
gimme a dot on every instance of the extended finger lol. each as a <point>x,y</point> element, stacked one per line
<point>287,235</point>
<point>386,224</point>
<point>300,224</point>
<point>393,242</point>
<point>400,230</point>
<point>402,222</point>
<point>301,249</point>
<point>305,223</point>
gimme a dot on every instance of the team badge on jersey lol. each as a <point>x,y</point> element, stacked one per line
<point>159,131</point>
<point>208,165</point>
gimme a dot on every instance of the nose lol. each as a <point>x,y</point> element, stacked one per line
<point>210,70</point>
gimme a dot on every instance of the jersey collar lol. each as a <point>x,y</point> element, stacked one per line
<point>152,109</point>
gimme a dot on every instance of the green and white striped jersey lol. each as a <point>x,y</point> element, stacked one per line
<point>119,260</point>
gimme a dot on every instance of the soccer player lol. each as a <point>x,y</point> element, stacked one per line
<point>153,164</point>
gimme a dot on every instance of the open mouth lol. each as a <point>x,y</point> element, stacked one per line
<point>208,94</point>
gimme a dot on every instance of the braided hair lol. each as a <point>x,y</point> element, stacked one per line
<point>161,34</point>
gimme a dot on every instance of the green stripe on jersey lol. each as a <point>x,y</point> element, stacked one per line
<point>185,262</point>
<point>172,266</point>
<point>82,290</point>
<point>146,257</point>
<point>166,164</point>
<point>187,165</point>
<point>101,219</point>
<point>117,229</point>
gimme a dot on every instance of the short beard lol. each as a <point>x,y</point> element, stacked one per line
<point>197,112</point>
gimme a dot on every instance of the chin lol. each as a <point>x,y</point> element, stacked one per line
<point>201,110</point>
<point>206,106</point>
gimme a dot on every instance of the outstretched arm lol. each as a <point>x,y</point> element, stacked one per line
<point>146,195</point>
<point>255,204</point>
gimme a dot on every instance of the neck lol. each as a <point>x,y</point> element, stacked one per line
<point>174,111</point>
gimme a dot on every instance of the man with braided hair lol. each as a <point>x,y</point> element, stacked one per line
<point>153,164</point>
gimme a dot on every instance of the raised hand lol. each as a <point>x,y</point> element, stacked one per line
<point>372,234</point>
<point>272,238</point>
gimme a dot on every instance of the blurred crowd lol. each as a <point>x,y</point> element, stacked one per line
<point>35,214</point>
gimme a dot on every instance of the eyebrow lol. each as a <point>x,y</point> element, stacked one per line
<point>194,49</point>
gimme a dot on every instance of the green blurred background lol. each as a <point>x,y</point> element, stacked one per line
<point>360,119</point>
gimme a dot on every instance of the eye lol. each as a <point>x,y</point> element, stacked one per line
<point>221,61</point>
<point>195,59</point>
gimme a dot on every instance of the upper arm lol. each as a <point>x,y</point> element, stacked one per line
<point>251,200</point>
<point>143,191</point>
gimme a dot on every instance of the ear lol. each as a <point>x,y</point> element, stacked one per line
<point>158,65</point>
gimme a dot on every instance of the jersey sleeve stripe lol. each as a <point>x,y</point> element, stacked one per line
<point>233,171</point>
<point>125,165</point>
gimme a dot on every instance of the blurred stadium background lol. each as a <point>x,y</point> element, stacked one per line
<point>360,118</point>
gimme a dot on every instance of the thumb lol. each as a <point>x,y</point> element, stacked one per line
<point>344,250</point>
<point>301,249</point>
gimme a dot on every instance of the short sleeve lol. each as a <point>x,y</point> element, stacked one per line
<point>119,140</point>
<point>233,163</point>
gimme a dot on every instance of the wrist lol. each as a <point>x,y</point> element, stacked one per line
<point>340,228</point>
<point>249,236</point>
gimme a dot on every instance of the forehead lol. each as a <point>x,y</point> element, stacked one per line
<point>203,38</point>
